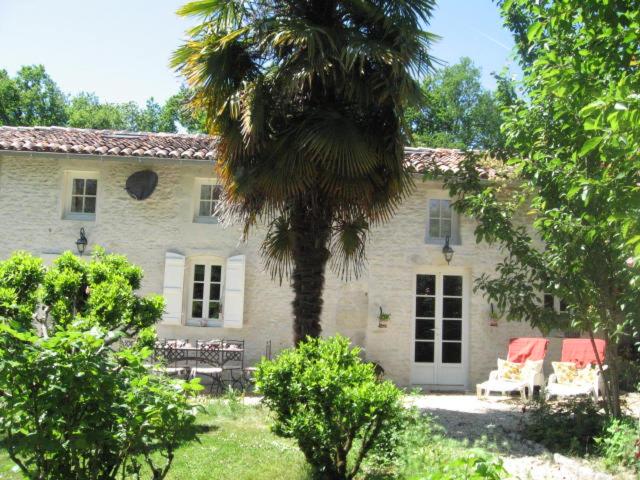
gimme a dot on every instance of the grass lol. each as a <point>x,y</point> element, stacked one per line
<point>236,443</point>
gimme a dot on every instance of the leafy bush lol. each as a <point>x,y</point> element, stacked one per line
<point>620,444</point>
<point>329,400</point>
<point>568,426</point>
<point>426,452</point>
<point>73,405</point>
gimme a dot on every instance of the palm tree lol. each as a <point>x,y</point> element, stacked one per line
<point>307,98</point>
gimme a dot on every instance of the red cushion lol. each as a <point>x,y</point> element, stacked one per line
<point>523,349</point>
<point>580,351</point>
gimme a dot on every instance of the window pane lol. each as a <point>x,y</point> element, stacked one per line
<point>445,209</point>
<point>214,292</point>
<point>452,307</point>
<point>198,290</point>
<point>424,352</point>
<point>548,301</point>
<point>434,208</point>
<point>214,310</point>
<point>198,273</point>
<point>563,306</point>
<point>434,228</point>
<point>425,329</point>
<point>78,186</point>
<point>452,285</point>
<point>217,191</point>
<point>216,273</point>
<point>91,187</point>
<point>205,192</point>
<point>205,209</point>
<point>425,307</point>
<point>445,228</point>
<point>196,309</point>
<point>451,352</point>
<point>452,330</point>
<point>426,285</point>
<point>76,204</point>
<point>89,204</point>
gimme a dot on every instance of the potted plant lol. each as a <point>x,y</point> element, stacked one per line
<point>493,317</point>
<point>383,319</point>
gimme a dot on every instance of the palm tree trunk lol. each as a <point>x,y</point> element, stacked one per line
<point>311,227</point>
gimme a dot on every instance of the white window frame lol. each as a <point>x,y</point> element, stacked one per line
<point>70,176</point>
<point>208,262</point>
<point>454,238</point>
<point>200,182</point>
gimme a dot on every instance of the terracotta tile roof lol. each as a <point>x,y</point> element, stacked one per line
<point>107,142</point>
<point>174,145</point>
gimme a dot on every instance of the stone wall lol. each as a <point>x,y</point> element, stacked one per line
<point>31,218</point>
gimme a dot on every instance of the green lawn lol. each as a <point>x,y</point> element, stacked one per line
<point>236,443</point>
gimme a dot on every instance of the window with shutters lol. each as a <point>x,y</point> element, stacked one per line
<point>442,222</point>
<point>205,294</point>
<point>207,195</point>
<point>81,196</point>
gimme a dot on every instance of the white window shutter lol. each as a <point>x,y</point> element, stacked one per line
<point>172,289</point>
<point>233,305</point>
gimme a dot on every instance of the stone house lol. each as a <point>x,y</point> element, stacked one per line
<point>56,181</point>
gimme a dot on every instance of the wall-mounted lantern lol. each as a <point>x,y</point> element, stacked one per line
<point>82,242</point>
<point>447,251</point>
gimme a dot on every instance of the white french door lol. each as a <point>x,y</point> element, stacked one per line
<point>440,329</point>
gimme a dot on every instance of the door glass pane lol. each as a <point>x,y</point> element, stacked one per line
<point>216,273</point>
<point>452,285</point>
<point>452,330</point>
<point>425,306</point>
<point>425,329</point>
<point>198,290</point>
<point>198,275</point>
<point>451,352</point>
<point>426,285</point>
<point>424,352</point>
<point>214,310</point>
<point>90,205</point>
<point>215,291</point>
<point>452,308</point>
<point>196,309</point>
<point>91,187</point>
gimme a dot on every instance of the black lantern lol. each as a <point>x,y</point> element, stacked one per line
<point>81,243</point>
<point>447,251</point>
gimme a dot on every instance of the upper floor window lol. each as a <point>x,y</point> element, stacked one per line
<point>554,303</point>
<point>442,222</point>
<point>81,196</point>
<point>208,195</point>
<point>205,304</point>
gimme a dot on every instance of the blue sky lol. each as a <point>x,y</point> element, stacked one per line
<point>119,49</point>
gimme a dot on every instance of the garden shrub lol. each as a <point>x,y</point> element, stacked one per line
<point>567,426</point>
<point>73,405</point>
<point>324,396</point>
<point>620,444</point>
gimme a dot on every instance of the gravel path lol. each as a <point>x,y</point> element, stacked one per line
<point>496,424</point>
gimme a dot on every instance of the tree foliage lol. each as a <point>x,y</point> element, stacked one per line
<point>458,112</point>
<point>72,405</point>
<point>572,144</point>
<point>329,400</point>
<point>308,100</point>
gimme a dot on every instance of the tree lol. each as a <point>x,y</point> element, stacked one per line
<point>178,109</point>
<point>41,100</point>
<point>457,112</point>
<point>572,148</point>
<point>73,404</point>
<point>86,111</point>
<point>308,100</point>
<point>9,99</point>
